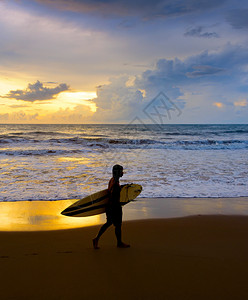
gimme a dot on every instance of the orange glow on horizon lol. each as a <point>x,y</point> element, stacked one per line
<point>67,107</point>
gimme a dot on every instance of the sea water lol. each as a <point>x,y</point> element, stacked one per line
<point>54,162</point>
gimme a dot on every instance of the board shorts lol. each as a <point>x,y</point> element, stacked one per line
<point>114,214</point>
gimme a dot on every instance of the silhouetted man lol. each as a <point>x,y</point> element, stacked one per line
<point>113,208</point>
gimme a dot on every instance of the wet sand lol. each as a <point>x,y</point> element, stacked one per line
<point>46,215</point>
<point>196,257</point>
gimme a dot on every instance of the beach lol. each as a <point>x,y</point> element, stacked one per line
<point>142,104</point>
<point>188,231</point>
<point>192,257</point>
<point>46,215</point>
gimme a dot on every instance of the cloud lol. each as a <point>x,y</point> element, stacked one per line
<point>4,117</point>
<point>203,71</point>
<point>238,18</point>
<point>198,32</point>
<point>19,117</point>
<point>224,71</point>
<point>125,98</point>
<point>201,86</point>
<point>79,114</point>
<point>195,84</point>
<point>36,92</point>
<point>145,8</point>
<point>117,102</point>
<point>18,106</point>
<point>241,103</point>
<point>76,115</point>
<point>229,63</point>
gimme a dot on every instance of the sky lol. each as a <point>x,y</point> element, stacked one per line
<point>96,61</point>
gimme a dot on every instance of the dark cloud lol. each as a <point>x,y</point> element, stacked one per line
<point>238,18</point>
<point>36,92</point>
<point>198,32</point>
<point>203,71</point>
<point>144,8</point>
<point>204,67</point>
<point>196,74</point>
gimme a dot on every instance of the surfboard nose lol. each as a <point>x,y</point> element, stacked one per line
<point>139,190</point>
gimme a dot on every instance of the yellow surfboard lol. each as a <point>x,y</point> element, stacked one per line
<point>96,203</point>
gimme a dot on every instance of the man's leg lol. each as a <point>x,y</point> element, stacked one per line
<point>103,229</point>
<point>100,233</point>
<point>118,233</point>
<point>120,244</point>
<point>118,223</point>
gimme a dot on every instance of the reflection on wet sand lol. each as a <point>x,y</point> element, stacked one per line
<point>46,215</point>
<point>150,208</point>
<point>40,215</point>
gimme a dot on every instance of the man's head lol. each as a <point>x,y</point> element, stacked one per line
<point>117,171</point>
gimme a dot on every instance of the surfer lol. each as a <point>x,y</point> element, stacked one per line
<point>113,209</point>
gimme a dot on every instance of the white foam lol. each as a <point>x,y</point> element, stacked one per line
<point>48,170</point>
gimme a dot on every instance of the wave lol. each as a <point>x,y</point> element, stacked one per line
<point>46,136</point>
<point>39,152</point>
<point>206,133</point>
<point>26,133</point>
<point>82,137</point>
<point>81,146</point>
<point>236,131</point>
<point>210,145</point>
<point>134,142</point>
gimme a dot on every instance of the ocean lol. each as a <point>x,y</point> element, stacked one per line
<point>55,162</point>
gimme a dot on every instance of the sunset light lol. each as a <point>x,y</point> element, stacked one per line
<point>77,98</point>
<point>123,112</point>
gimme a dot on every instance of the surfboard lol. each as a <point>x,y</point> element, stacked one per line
<point>96,203</point>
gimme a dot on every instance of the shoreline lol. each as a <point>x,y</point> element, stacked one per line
<point>138,198</point>
<point>45,215</point>
<point>194,257</point>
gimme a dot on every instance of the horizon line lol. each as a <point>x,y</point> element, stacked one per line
<point>161,124</point>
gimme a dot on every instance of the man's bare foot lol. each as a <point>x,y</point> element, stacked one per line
<point>95,243</point>
<point>123,245</point>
